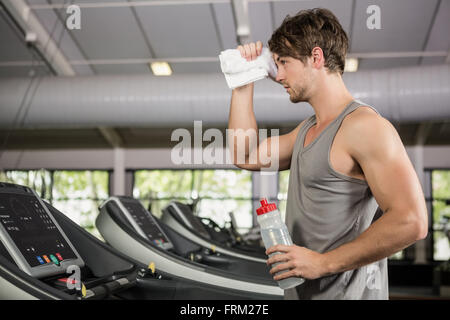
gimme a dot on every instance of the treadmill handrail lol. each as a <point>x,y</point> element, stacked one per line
<point>29,284</point>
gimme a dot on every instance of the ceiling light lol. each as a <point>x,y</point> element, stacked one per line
<point>161,68</point>
<point>351,65</point>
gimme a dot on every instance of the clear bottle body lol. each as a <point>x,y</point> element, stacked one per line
<point>273,232</point>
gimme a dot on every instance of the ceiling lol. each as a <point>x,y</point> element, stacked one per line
<point>118,37</point>
<point>121,37</point>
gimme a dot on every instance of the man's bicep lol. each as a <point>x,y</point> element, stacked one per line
<point>392,181</point>
<point>382,157</point>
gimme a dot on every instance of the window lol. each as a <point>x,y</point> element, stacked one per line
<point>38,180</point>
<point>159,187</point>
<point>224,191</point>
<point>216,192</point>
<point>440,180</point>
<point>77,194</point>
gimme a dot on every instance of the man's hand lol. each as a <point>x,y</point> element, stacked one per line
<point>300,261</point>
<point>251,51</point>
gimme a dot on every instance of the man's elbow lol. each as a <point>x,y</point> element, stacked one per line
<point>420,223</point>
<point>422,231</point>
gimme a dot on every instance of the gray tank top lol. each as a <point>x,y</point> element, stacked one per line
<point>326,209</point>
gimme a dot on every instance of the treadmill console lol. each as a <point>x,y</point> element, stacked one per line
<point>31,235</point>
<point>184,213</point>
<point>142,221</point>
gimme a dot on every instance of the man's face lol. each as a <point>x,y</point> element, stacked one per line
<point>294,76</point>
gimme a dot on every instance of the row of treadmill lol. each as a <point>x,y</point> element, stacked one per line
<point>45,255</point>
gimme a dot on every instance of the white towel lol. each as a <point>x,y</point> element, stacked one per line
<point>238,71</point>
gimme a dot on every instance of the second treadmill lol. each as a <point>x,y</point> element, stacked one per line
<point>180,217</point>
<point>126,225</point>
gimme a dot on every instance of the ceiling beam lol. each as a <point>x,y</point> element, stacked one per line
<point>112,136</point>
<point>36,34</point>
<point>397,54</point>
<point>126,4</point>
<point>144,3</point>
<point>374,55</point>
<point>422,133</point>
<point>241,20</point>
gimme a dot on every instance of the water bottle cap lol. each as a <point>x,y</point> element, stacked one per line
<point>265,207</point>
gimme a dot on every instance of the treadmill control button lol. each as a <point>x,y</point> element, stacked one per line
<point>54,259</point>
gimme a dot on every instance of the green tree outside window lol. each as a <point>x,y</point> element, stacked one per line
<point>216,192</point>
<point>441,208</point>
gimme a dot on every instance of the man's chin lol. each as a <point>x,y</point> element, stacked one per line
<point>296,99</point>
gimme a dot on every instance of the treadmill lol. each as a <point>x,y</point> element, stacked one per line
<point>45,255</point>
<point>180,217</point>
<point>127,226</point>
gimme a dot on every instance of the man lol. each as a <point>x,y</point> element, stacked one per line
<point>354,198</point>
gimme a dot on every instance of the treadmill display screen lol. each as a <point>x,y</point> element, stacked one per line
<point>147,224</point>
<point>194,222</point>
<point>32,230</point>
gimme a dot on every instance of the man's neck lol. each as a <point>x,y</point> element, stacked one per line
<point>330,99</point>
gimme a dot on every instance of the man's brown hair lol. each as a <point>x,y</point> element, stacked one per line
<point>298,35</point>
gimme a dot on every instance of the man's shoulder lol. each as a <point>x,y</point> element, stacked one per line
<point>366,130</point>
<point>363,120</point>
<point>363,112</point>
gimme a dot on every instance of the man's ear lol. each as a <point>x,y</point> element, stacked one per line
<point>317,60</point>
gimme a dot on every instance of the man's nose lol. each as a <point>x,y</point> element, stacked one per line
<point>280,76</point>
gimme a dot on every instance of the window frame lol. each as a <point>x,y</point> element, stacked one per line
<point>430,198</point>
